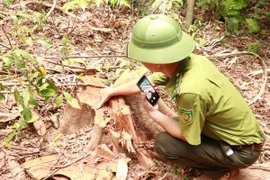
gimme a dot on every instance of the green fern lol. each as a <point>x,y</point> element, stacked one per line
<point>232,24</point>
<point>252,25</point>
<point>74,4</point>
<point>232,7</point>
<point>253,47</point>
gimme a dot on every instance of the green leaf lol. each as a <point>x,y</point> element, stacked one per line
<point>7,60</point>
<point>56,137</point>
<point>98,69</point>
<point>64,51</point>
<point>45,43</point>
<point>9,138</point>
<point>16,126</point>
<point>65,40</point>
<point>2,97</point>
<point>26,96</point>
<point>68,96</point>
<point>34,119</point>
<point>47,92</point>
<point>32,99</point>
<point>25,54</point>
<point>52,85</point>
<point>18,97</point>
<point>31,77</point>
<point>47,99</point>
<point>20,124</point>
<point>252,25</point>
<point>108,67</point>
<point>27,114</point>
<point>59,100</point>
<point>15,20</point>
<point>43,86</point>
<point>19,62</point>
<point>2,86</point>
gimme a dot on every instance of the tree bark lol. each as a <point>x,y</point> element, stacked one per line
<point>190,12</point>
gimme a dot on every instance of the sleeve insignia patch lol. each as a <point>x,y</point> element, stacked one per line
<point>186,115</point>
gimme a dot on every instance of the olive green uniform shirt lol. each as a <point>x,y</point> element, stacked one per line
<point>208,103</point>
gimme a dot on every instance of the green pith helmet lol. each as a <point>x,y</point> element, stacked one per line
<point>158,39</point>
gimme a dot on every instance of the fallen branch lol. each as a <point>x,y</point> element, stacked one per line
<point>64,84</point>
<point>7,39</point>
<point>23,4</point>
<point>78,69</point>
<point>89,57</point>
<point>263,168</point>
<point>264,76</point>
<point>254,73</point>
<point>51,10</point>
<point>4,46</point>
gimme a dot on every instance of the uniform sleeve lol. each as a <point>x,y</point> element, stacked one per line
<point>158,78</point>
<point>192,112</point>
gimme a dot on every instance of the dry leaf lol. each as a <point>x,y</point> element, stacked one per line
<point>104,175</point>
<point>55,121</point>
<point>39,168</point>
<point>122,169</point>
<point>74,103</point>
<point>104,152</point>
<point>16,170</point>
<point>40,127</point>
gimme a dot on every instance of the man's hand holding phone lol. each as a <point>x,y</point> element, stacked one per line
<point>149,91</point>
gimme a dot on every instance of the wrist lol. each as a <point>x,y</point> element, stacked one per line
<point>154,114</point>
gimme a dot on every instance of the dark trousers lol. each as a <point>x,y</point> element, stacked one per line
<point>211,157</point>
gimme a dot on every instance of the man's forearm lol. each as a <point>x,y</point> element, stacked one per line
<point>126,89</point>
<point>170,125</point>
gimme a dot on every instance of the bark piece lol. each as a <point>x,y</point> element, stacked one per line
<point>16,170</point>
<point>122,169</point>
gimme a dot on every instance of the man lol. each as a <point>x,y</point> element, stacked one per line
<point>216,132</point>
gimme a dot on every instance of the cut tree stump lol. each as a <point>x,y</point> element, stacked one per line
<point>122,125</point>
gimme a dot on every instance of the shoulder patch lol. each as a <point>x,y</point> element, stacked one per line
<point>186,115</point>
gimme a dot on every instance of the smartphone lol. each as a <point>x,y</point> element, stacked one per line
<point>149,91</point>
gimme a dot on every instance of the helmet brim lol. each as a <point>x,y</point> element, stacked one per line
<point>163,55</point>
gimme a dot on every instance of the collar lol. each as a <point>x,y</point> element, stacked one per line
<point>173,85</point>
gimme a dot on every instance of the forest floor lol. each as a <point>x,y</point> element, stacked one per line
<point>104,32</point>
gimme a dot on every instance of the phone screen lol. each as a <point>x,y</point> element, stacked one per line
<point>149,91</point>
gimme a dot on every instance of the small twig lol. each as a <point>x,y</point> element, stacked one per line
<point>81,169</point>
<point>260,168</point>
<point>52,8</point>
<point>163,176</point>
<point>76,67</point>
<point>7,38</point>
<point>58,85</point>
<point>57,168</point>
<point>4,46</point>
<point>89,57</point>
<point>254,73</point>
<point>74,162</point>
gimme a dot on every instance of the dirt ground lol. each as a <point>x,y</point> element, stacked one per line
<point>103,32</point>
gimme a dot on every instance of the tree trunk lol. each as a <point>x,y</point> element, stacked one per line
<point>190,12</point>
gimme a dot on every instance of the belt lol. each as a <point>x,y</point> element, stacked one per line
<point>252,147</point>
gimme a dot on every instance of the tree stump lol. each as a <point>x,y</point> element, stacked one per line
<point>122,125</point>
